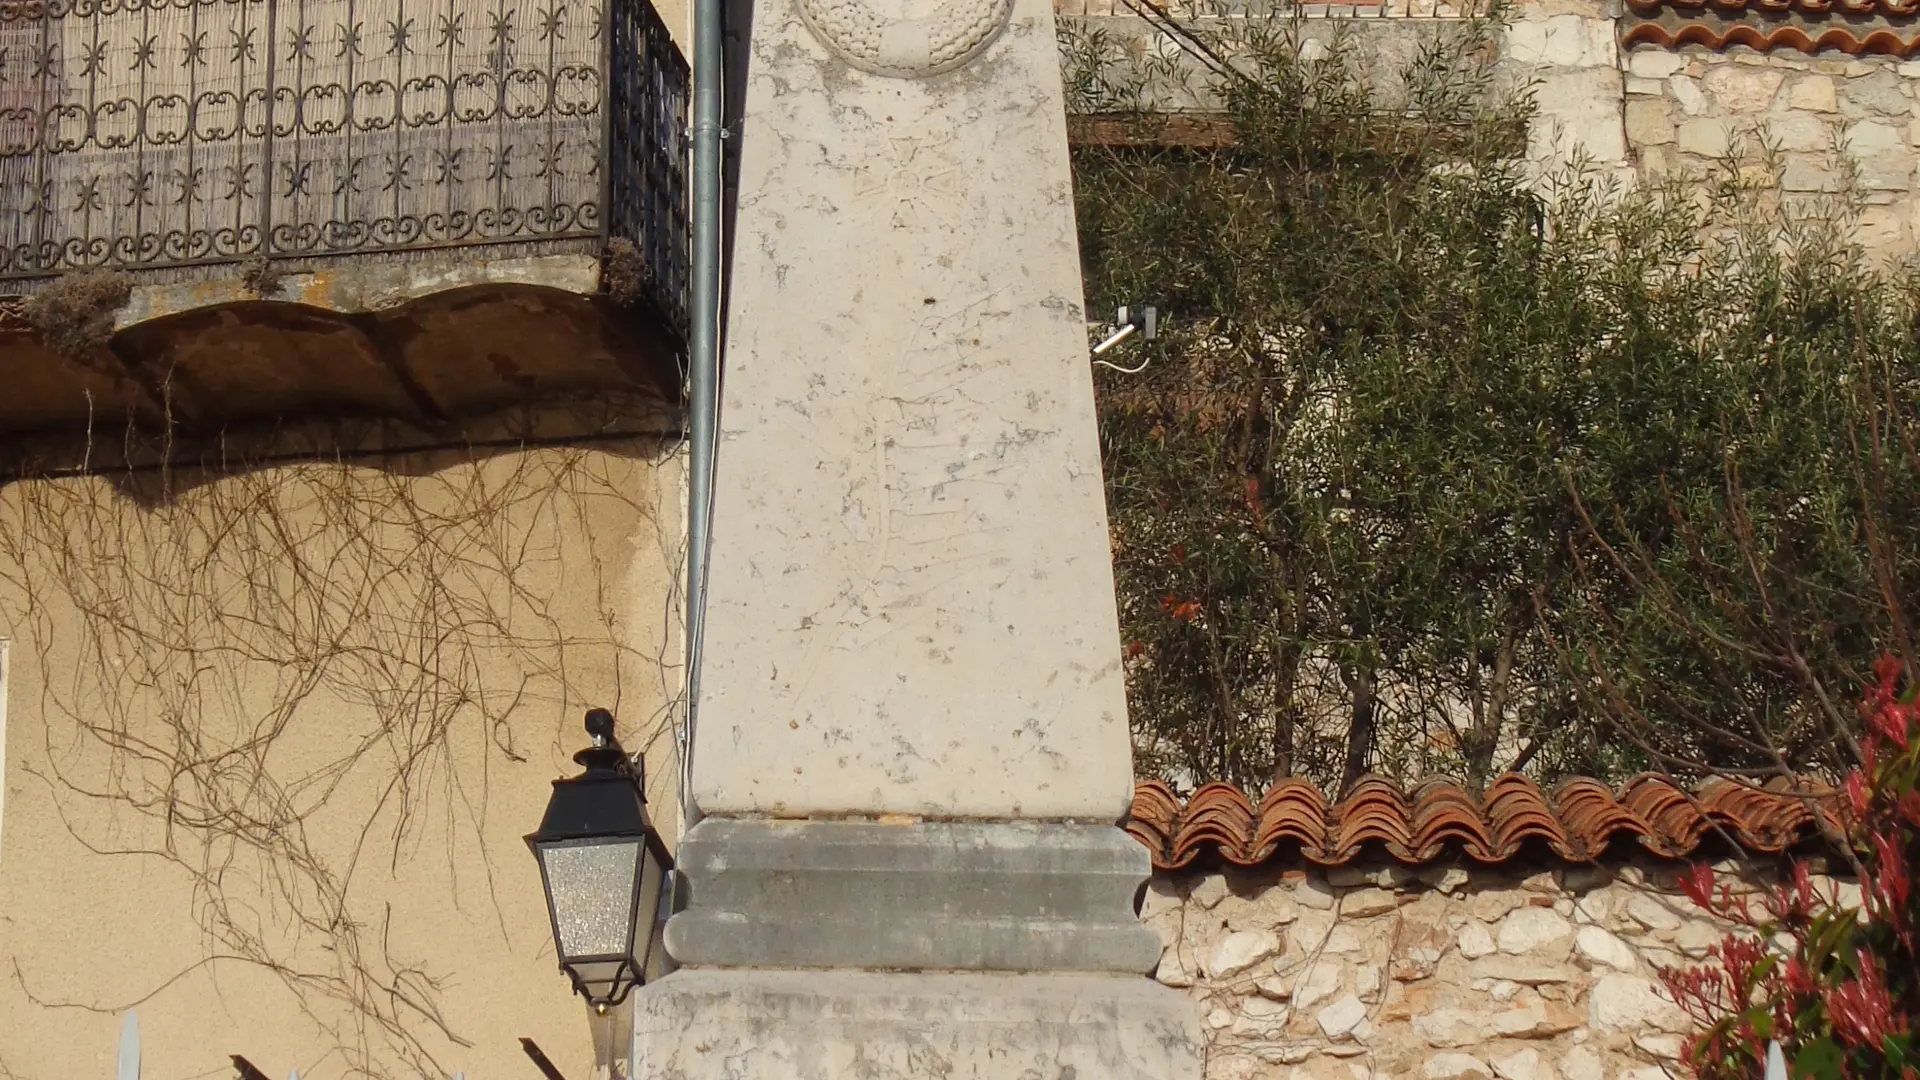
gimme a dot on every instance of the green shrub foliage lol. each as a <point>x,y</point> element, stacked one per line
<point>1442,466</point>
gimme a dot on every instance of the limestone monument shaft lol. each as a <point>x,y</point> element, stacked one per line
<point>911,606</point>
<point>912,753</point>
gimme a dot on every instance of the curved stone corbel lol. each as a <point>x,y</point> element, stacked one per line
<point>952,35</point>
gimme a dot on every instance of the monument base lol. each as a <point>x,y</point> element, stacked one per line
<point>931,896</point>
<point>714,1024</point>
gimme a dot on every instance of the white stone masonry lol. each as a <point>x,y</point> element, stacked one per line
<point>1378,972</point>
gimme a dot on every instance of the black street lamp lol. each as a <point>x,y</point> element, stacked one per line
<point>605,871</point>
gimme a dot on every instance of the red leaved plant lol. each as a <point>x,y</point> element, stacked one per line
<point>1837,986</point>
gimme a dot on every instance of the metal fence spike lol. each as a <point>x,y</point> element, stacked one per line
<point>129,1067</point>
<point>1776,1062</point>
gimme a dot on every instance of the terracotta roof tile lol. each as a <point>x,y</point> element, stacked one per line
<point>1292,811</point>
<point>1578,821</point>
<point>1881,41</point>
<point>1736,8</point>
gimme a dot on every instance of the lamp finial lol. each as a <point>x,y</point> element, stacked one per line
<point>600,726</point>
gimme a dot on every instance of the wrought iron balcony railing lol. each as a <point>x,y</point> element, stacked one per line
<point>145,135</point>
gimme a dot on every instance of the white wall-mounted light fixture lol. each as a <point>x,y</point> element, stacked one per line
<point>1129,321</point>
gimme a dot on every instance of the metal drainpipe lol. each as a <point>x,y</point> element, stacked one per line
<point>703,390</point>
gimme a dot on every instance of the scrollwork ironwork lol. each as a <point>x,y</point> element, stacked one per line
<point>149,134</point>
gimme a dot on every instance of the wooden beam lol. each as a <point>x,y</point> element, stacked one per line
<point>1190,131</point>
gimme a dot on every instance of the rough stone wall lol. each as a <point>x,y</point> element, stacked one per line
<point>1568,50</point>
<point>1364,9</point>
<point>1838,123</point>
<point>1442,973</point>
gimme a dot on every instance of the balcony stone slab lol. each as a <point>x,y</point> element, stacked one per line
<point>199,243</point>
<point>421,341</point>
<point>364,284</point>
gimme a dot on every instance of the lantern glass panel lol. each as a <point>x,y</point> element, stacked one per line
<point>590,884</point>
<point>646,918</point>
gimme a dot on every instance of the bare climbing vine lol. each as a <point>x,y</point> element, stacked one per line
<point>198,637</point>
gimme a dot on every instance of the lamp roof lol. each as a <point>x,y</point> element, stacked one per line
<point>605,801</point>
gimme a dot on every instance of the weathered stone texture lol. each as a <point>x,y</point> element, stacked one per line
<point>813,1025</point>
<point>910,603</point>
<point>970,896</point>
<point>1444,973</point>
<point>1658,114</point>
<point>1838,124</point>
<point>1663,114</point>
<point>1649,121</point>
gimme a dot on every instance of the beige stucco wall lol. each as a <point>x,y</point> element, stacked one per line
<point>362,677</point>
<point>678,15</point>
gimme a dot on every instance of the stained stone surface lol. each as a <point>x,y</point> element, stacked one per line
<point>994,896</point>
<point>910,44</point>
<point>728,1025</point>
<point>911,598</point>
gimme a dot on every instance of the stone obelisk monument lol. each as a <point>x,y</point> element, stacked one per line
<point>912,752</point>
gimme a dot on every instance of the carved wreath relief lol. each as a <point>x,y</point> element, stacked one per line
<point>906,39</point>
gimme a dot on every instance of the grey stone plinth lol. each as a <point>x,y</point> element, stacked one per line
<point>784,1025</point>
<point>1006,896</point>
